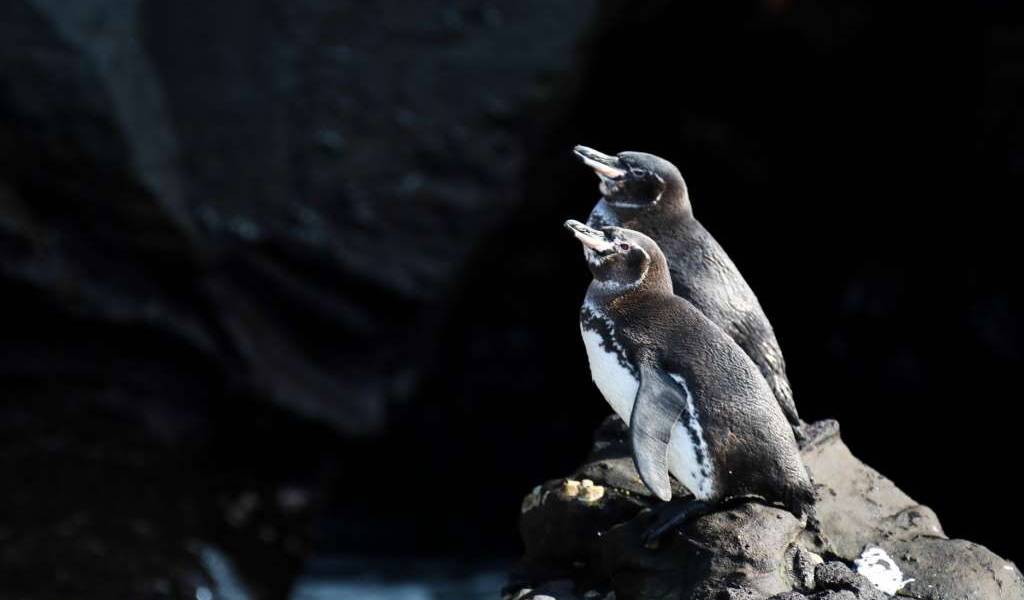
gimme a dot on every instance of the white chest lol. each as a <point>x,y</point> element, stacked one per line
<point>688,454</point>
<point>615,382</point>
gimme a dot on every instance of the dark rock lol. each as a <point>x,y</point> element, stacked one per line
<point>750,551</point>
<point>84,515</point>
<point>738,594</point>
<point>840,595</point>
<point>745,546</point>
<point>804,565</point>
<point>944,569</point>
<point>105,507</point>
<point>838,576</point>
<point>220,237</point>
<point>557,590</point>
<point>741,547</point>
<point>158,182</point>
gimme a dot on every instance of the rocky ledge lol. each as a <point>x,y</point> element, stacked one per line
<point>869,540</point>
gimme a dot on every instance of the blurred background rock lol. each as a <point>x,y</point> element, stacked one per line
<point>286,281</point>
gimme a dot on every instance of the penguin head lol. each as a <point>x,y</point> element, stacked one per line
<point>635,180</point>
<point>621,257</point>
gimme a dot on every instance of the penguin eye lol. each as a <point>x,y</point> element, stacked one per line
<point>623,246</point>
<point>637,172</point>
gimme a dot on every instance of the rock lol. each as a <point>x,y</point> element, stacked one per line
<point>751,551</point>
<point>804,564</point>
<point>745,546</point>
<point>232,231</point>
<point>856,505</point>
<point>738,594</point>
<point>944,569</point>
<point>837,576</point>
<point>84,515</point>
<point>840,595</point>
<point>158,183</point>
<point>557,590</point>
<point>103,507</point>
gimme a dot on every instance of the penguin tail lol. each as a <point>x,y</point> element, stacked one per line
<point>800,500</point>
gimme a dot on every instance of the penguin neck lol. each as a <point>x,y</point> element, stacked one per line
<point>674,203</point>
<point>605,295</point>
<point>671,205</point>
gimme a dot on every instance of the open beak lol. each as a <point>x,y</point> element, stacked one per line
<point>606,167</point>
<point>589,237</point>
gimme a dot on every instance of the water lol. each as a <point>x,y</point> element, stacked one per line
<point>380,578</point>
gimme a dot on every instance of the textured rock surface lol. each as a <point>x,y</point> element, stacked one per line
<point>857,505</point>
<point>751,551</point>
<point>255,213</point>
<point>219,223</point>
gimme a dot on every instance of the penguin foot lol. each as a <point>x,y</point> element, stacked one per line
<point>671,515</point>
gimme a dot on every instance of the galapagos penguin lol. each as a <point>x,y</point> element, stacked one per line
<point>696,406</point>
<point>648,194</point>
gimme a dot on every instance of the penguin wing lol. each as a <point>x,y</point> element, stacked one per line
<point>756,338</point>
<point>658,405</point>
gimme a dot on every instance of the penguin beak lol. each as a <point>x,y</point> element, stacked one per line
<point>589,237</point>
<point>606,167</point>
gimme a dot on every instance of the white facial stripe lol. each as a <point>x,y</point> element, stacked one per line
<point>647,265</point>
<point>618,286</point>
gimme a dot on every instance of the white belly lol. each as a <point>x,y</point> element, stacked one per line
<point>615,382</point>
<point>619,387</point>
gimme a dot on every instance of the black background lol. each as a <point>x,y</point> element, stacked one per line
<point>865,186</point>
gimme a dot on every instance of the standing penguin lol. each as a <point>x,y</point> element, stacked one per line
<point>647,193</point>
<point>696,406</point>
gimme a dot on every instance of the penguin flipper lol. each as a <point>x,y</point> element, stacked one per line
<point>658,406</point>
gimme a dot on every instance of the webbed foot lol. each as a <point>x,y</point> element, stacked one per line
<point>671,515</point>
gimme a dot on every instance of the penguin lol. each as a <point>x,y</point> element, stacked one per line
<point>648,194</point>
<point>696,406</point>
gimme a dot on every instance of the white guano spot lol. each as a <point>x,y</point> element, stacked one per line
<point>881,570</point>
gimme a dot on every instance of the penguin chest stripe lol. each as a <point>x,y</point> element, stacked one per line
<point>689,457</point>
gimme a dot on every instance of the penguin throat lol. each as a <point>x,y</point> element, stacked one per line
<point>592,318</point>
<point>674,199</point>
<point>623,201</point>
<point>618,288</point>
<point>640,215</point>
<point>610,286</point>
